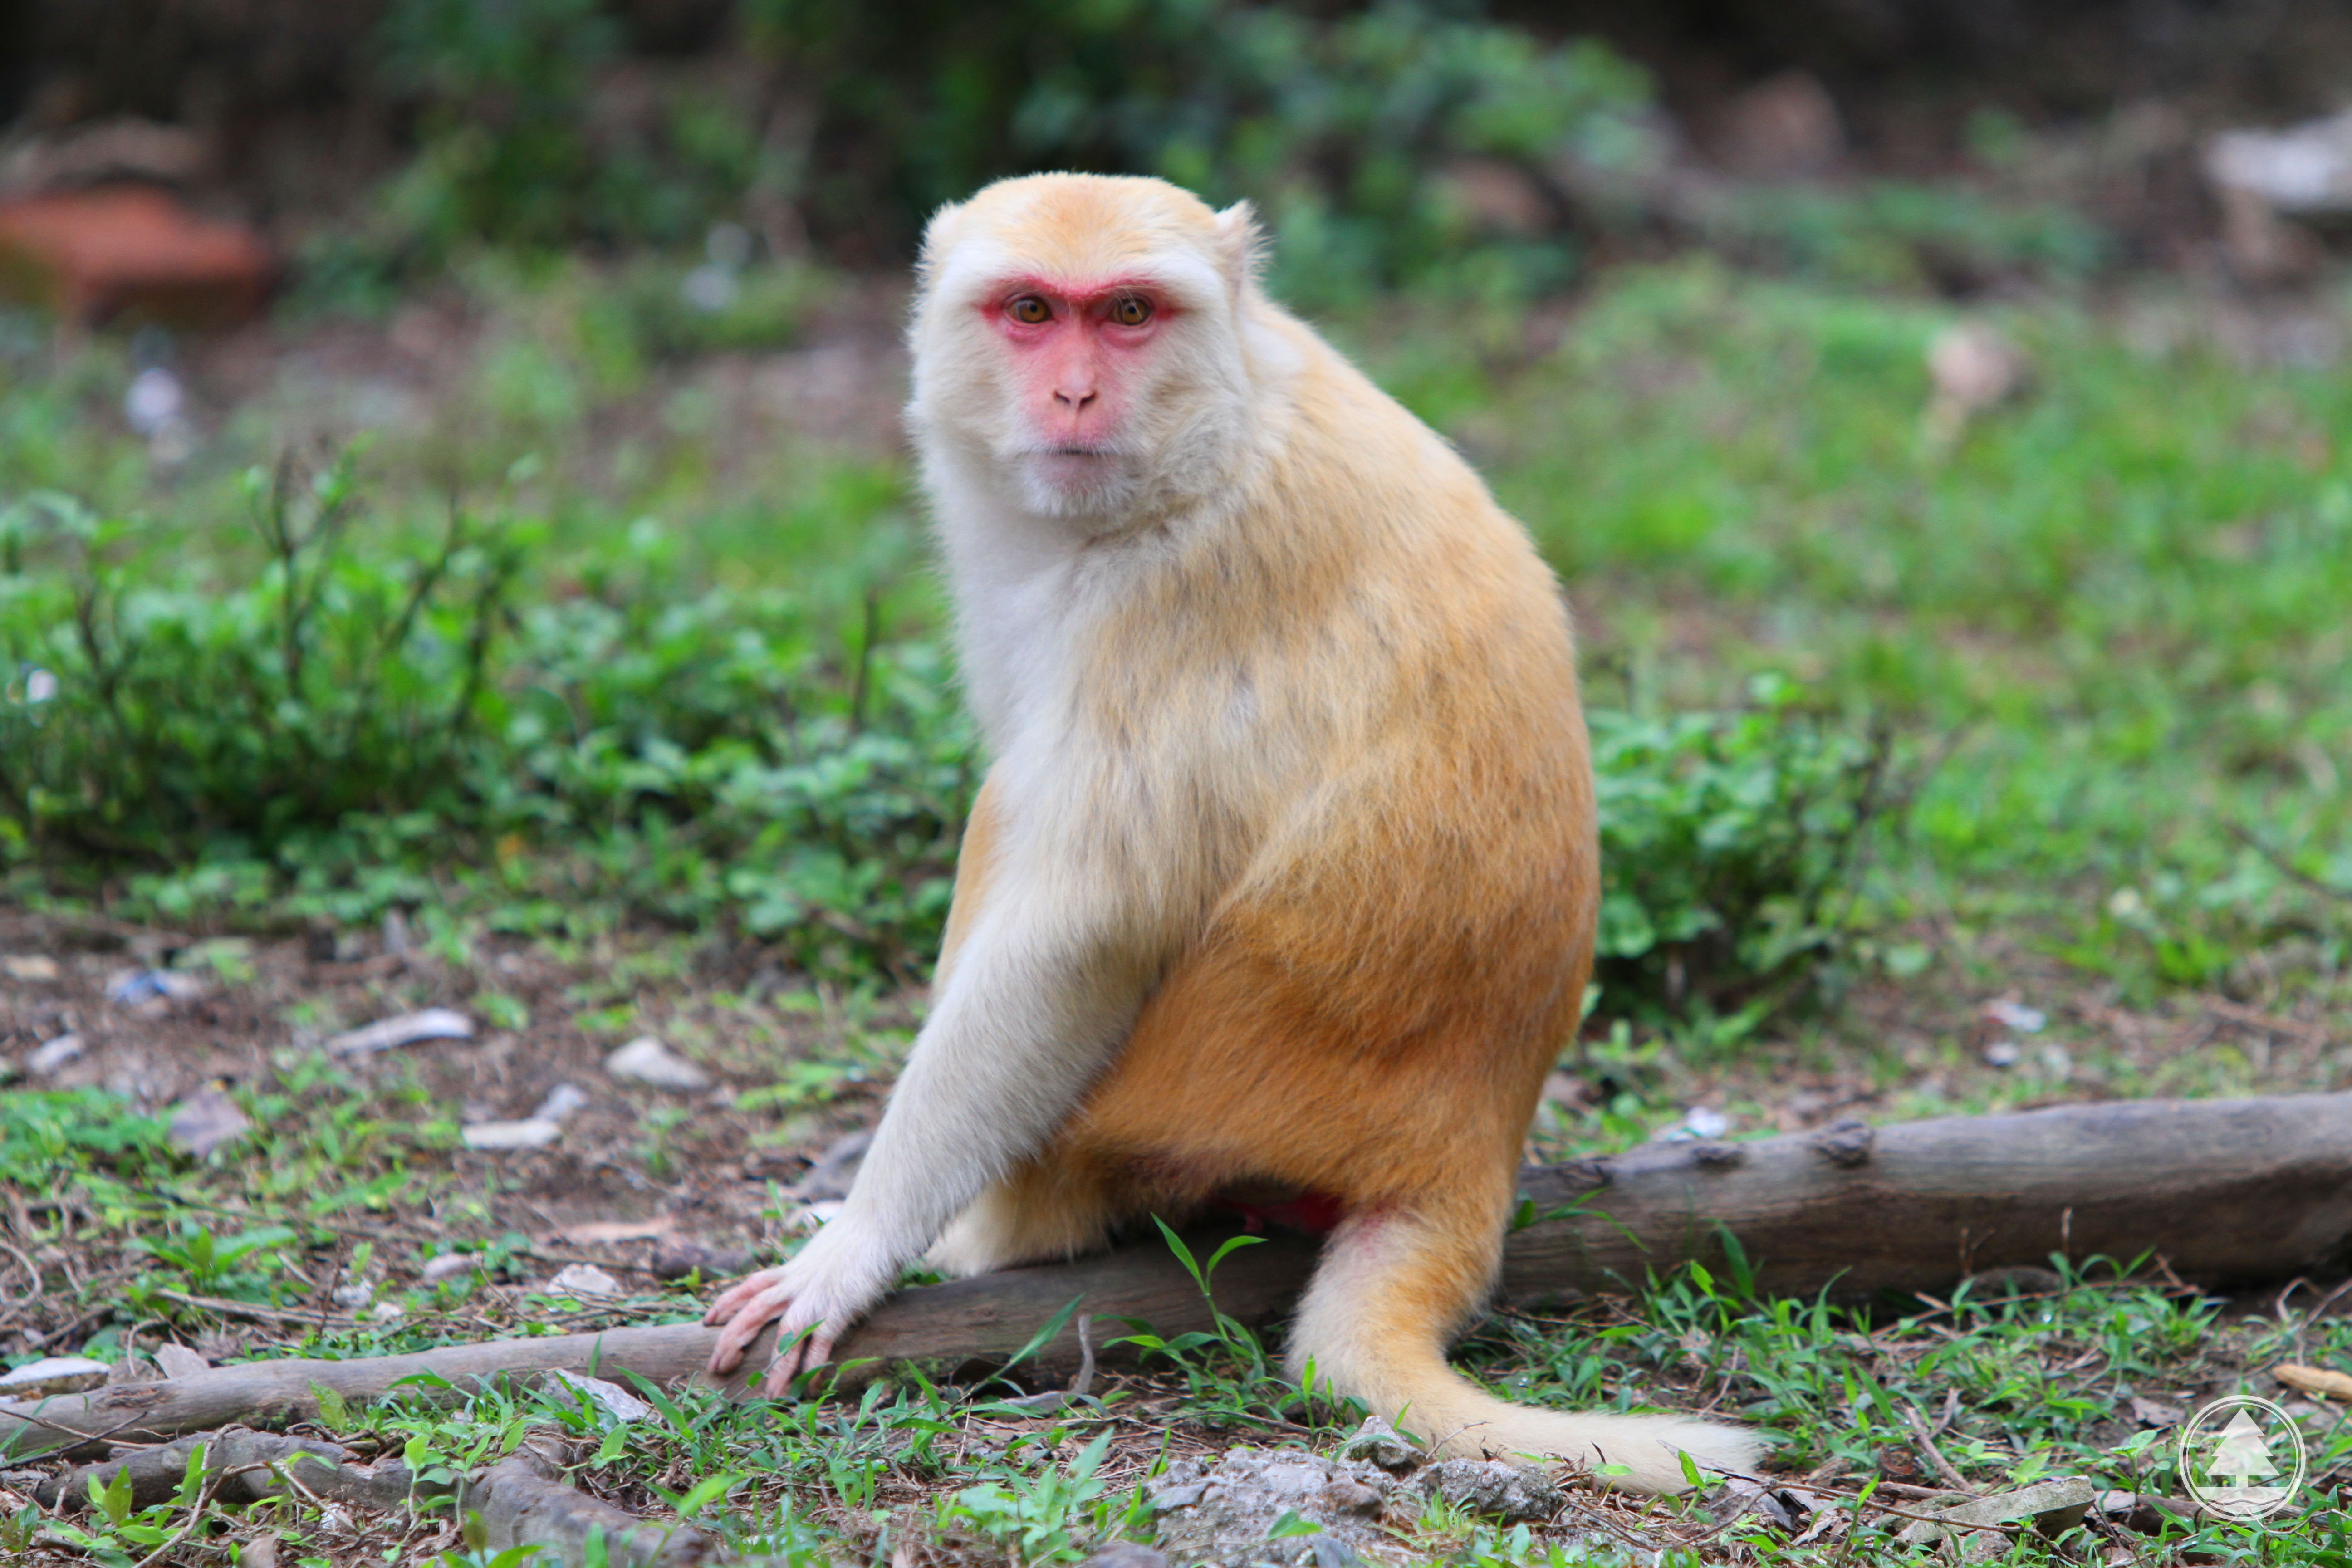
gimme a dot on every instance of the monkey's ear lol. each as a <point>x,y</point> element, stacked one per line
<point>1243,242</point>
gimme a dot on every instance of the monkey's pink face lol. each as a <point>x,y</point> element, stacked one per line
<point>1081,357</point>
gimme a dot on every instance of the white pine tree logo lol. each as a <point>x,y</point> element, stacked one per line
<point>2237,1468</point>
<point>2241,1456</point>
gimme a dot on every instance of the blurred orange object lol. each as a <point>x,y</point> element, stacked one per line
<point>93,254</point>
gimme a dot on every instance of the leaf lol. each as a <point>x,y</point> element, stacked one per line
<point>1183,1253</point>
<point>702,1492</point>
<point>1045,1336</point>
<point>1290,1525</point>
<point>1232,1243</point>
<point>333,1413</point>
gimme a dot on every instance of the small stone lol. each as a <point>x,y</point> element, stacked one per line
<point>609,1397</point>
<point>561,1102</point>
<point>1378,1443</point>
<point>1221,1515</point>
<point>2001,1054</point>
<point>408,1029</point>
<point>137,987</point>
<point>647,1062</point>
<point>2015,1015</point>
<point>1706,1123</point>
<point>1490,1487</point>
<point>132,1368</point>
<point>677,1256</point>
<point>385,1311</point>
<point>205,1121</point>
<point>352,1297</point>
<point>836,1169</point>
<point>54,1056</point>
<point>607,1232</point>
<point>583,1279</point>
<point>30,968</point>
<point>1125,1554</point>
<point>53,1374</point>
<point>531,1132</point>
<point>179,1360</point>
<point>448,1266</point>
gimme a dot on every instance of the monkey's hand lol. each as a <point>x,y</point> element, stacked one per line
<point>823,1291</point>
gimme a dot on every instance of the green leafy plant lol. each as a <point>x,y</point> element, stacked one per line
<point>1729,844</point>
<point>322,735</point>
<point>1037,1519</point>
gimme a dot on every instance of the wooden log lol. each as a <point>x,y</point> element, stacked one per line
<point>2225,1192</point>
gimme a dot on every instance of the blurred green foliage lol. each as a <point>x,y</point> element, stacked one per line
<point>1410,143</point>
<point>514,146</point>
<point>1350,130</point>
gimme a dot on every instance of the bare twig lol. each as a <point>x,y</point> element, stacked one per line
<point>1926,1442</point>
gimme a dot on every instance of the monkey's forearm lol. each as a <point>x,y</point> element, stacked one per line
<point>1026,1023</point>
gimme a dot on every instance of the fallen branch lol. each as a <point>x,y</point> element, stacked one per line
<point>523,1500</point>
<point>2227,1192</point>
<point>256,1465</point>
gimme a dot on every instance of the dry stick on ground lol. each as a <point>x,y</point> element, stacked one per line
<point>2228,1191</point>
<point>522,1500</point>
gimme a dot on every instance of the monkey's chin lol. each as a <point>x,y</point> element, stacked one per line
<point>1077,484</point>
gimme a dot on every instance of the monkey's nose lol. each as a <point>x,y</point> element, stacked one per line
<point>1074,402</point>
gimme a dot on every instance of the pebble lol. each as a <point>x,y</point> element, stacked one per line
<point>678,1256</point>
<point>408,1029</point>
<point>1376,1442</point>
<point>134,987</point>
<point>56,1054</point>
<point>205,1121</point>
<point>179,1360</point>
<point>609,1397</point>
<point>2001,1054</point>
<point>28,968</point>
<point>583,1279</point>
<point>647,1062</point>
<point>531,1132</point>
<point>2017,1015</point>
<point>448,1266</point>
<point>561,1102</point>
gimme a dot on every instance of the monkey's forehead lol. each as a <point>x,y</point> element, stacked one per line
<point>1077,229</point>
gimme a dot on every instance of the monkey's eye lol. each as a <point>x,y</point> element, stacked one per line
<point>1030,310</point>
<point>1130,312</point>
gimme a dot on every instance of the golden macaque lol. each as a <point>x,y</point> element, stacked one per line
<point>1284,876</point>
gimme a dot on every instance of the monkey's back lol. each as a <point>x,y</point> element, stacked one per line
<point>1404,942</point>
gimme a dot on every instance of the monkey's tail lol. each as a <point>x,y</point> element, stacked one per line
<point>1374,1324</point>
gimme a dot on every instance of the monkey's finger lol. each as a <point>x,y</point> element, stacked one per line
<point>744,1326</point>
<point>805,1354</point>
<point>732,1298</point>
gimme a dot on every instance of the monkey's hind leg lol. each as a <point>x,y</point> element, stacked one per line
<point>1395,1280</point>
<point>1050,1208</point>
